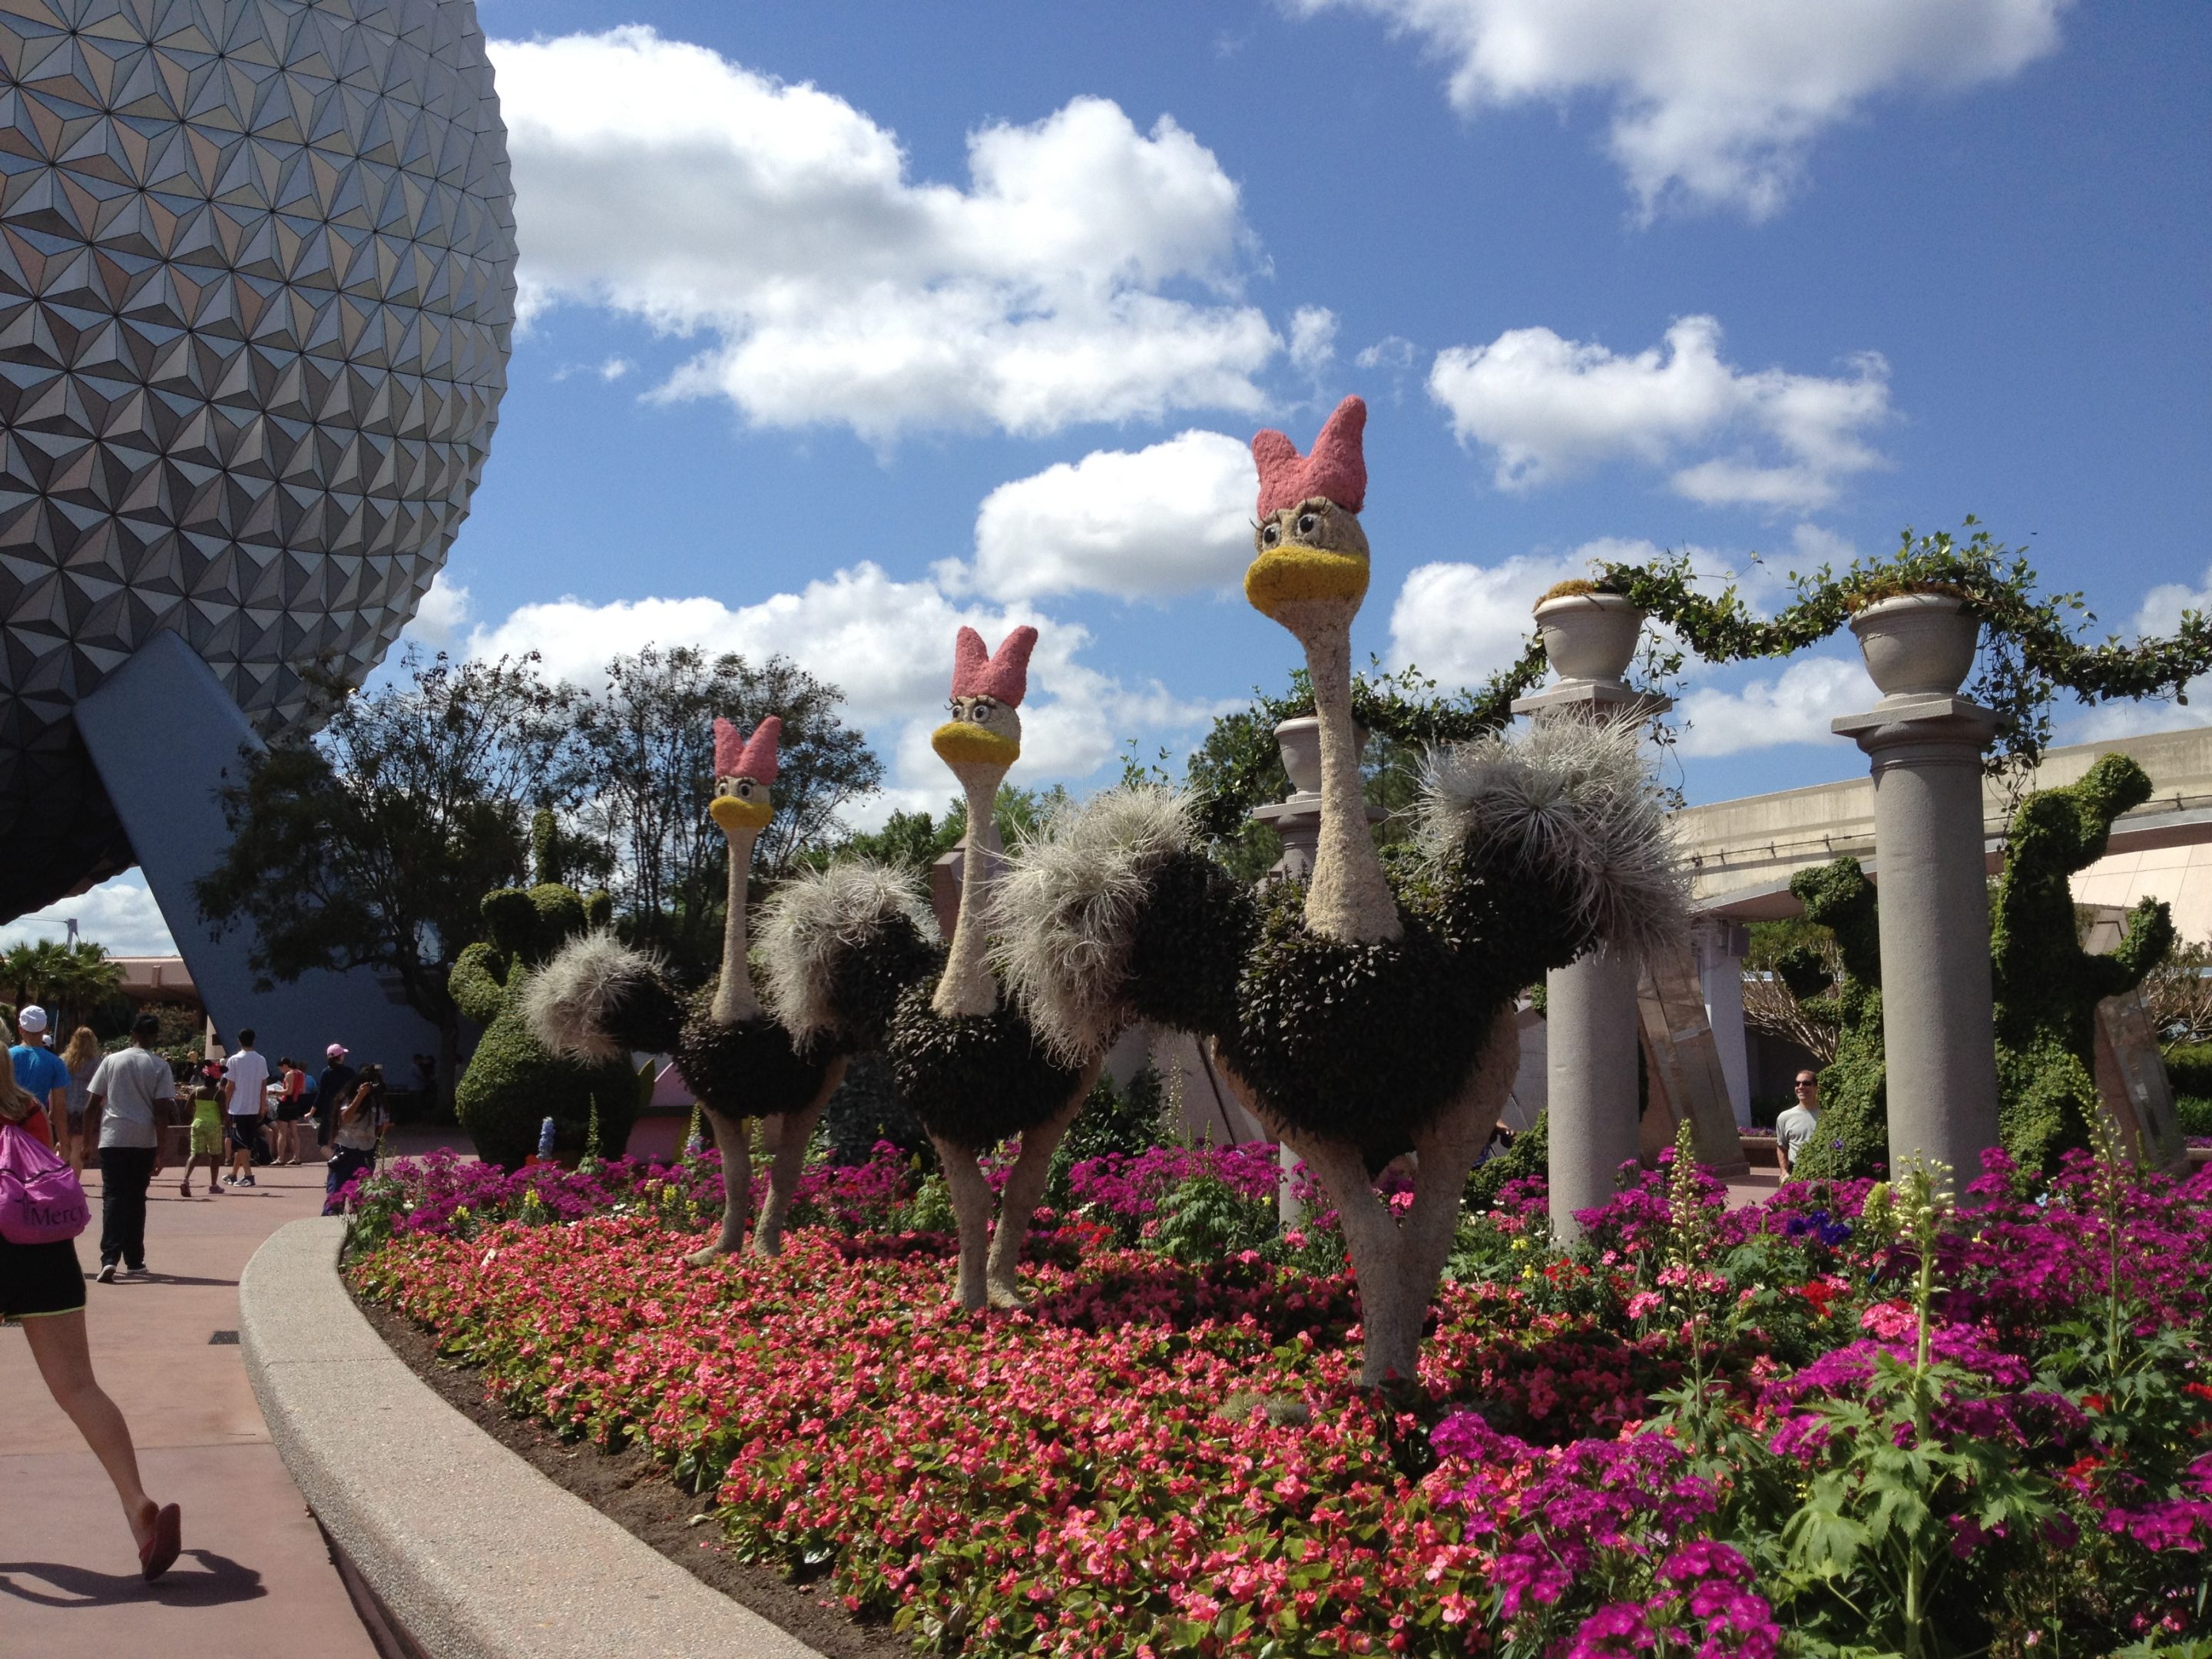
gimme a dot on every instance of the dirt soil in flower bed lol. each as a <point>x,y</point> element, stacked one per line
<point>634,1492</point>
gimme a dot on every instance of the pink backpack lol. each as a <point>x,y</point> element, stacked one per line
<point>41,1201</point>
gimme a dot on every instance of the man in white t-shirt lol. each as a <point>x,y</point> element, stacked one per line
<point>132,1091</point>
<point>1794,1126</point>
<point>246,1100</point>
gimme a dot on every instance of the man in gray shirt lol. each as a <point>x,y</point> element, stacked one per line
<point>133,1091</point>
<point>1794,1126</point>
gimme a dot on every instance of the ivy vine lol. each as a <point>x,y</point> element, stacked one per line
<point>2029,644</point>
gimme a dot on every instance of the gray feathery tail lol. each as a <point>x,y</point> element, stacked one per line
<point>571,1002</point>
<point>1066,907</point>
<point>1573,805</point>
<point>812,920</point>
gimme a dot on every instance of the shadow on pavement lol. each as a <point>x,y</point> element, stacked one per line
<point>222,1581</point>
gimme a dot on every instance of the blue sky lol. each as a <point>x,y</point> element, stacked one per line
<point>848,324</point>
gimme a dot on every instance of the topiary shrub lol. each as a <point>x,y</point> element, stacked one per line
<point>2189,1068</point>
<point>2047,988</point>
<point>1854,1135</point>
<point>1113,1119</point>
<point>1530,1154</point>
<point>513,1081</point>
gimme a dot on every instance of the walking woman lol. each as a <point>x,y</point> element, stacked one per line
<point>83,1059</point>
<point>291,1107</point>
<point>42,1289</point>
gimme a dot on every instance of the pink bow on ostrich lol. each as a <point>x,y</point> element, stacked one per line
<point>1334,469</point>
<point>744,770</point>
<point>986,689</point>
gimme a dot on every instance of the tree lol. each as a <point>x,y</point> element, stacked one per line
<point>649,736</point>
<point>2179,995</point>
<point>372,844</point>
<point>72,981</point>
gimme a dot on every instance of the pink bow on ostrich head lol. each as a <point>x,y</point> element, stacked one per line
<point>1003,678</point>
<point>1335,467</point>
<point>750,757</point>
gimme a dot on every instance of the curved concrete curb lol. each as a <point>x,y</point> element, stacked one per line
<point>476,1554</point>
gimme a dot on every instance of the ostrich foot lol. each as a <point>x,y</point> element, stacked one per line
<point>1004,1293</point>
<point>704,1255</point>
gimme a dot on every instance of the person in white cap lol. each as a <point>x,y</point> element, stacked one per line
<point>39,1073</point>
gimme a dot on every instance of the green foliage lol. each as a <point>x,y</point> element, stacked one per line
<point>513,1081</point>
<point>1854,1133</point>
<point>1530,1154</point>
<point>1202,1219</point>
<point>2028,647</point>
<point>372,844</point>
<point>2046,986</point>
<point>75,982</point>
<point>866,1109</point>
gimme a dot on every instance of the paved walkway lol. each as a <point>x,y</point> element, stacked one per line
<point>255,1578</point>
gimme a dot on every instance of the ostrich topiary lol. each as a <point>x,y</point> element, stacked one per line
<point>513,1081</point>
<point>2047,988</point>
<point>964,1056</point>
<point>850,930</point>
<point>1351,1019</point>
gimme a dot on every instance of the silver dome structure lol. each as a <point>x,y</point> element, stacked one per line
<point>256,285</point>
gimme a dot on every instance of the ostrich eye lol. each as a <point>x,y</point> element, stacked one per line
<point>1308,523</point>
<point>744,789</point>
<point>980,713</point>
<point>1270,534</point>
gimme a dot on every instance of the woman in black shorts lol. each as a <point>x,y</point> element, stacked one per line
<point>42,1289</point>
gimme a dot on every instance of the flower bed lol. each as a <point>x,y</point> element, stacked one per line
<point>1848,1419</point>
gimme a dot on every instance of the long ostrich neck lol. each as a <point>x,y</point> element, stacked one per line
<point>1347,899</point>
<point>968,985</point>
<point>733,997</point>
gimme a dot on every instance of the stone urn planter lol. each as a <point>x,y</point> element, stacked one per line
<point>1299,743</point>
<point>1590,636</point>
<point>1918,644</point>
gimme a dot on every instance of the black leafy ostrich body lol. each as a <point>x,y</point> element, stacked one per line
<point>1358,1017</point>
<point>837,948</point>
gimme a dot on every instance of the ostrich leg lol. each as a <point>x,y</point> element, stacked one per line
<point>971,1204</point>
<point>1024,1188</point>
<point>1396,1263</point>
<point>730,1141</point>
<point>794,1134</point>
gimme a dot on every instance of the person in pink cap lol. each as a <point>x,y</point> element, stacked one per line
<point>333,1088</point>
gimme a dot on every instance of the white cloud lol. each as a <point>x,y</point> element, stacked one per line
<point>1715,102</point>
<point>663,180</point>
<point>614,368</point>
<point>1313,339</point>
<point>1170,518</point>
<point>120,914</point>
<point>888,645</point>
<point>442,614</point>
<point>1391,351</point>
<point>1550,408</point>
<point>1794,706</point>
<point>1460,623</point>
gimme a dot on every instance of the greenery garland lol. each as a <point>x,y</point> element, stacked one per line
<point>2028,645</point>
<point>1240,767</point>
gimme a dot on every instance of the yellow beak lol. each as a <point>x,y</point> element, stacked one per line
<point>734,814</point>
<point>1284,574</point>
<point>964,740</point>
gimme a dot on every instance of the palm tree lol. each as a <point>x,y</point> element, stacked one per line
<point>27,969</point>
<point>86,977</point>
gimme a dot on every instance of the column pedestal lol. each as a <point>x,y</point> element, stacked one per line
<point>1720,947</point>
<point>1938,1023</point>
<point>1589,1079</point>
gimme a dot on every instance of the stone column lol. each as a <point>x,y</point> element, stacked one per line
<point>1590,1040</point>
<point>1939,1033</point>
<point>1719,946</point>
<point>1590,1018</point>
<point>1939,1030</point>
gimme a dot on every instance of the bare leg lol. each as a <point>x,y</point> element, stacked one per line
<point>734,1141</point>
<point>1024,1188</point>
<point>794,1134</point>
<point>57,1344</point>
<point>971,1203</point>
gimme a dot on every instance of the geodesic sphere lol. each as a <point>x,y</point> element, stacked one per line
<point>256,280</point>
